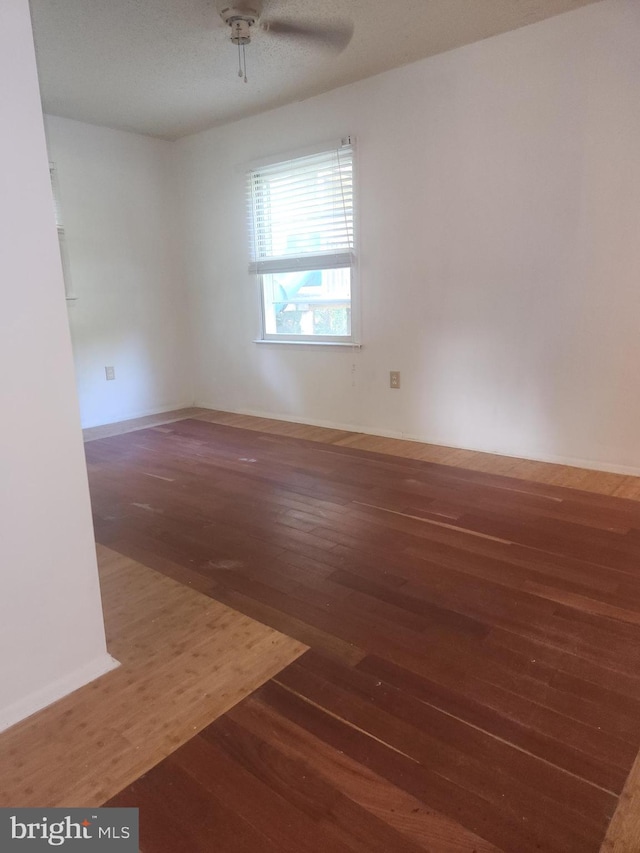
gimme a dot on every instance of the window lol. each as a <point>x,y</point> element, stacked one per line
<point>64,257</point>
<point>303,246</point>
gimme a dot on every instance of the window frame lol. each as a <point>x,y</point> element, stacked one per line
<point>308,262</point>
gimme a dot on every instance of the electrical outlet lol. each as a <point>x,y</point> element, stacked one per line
<point>110,373</point>
<point>394,379</point>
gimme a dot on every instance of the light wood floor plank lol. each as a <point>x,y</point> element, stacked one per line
<point>623,835</point>
<point>185,660</point>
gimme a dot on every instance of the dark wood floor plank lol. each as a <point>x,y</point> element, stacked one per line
<point>160,832</point>
<point>431,737</point>
<point>339,822</point>
<point>478,556</point>
<point>505,829</point>
<point>399,781</point>
<point>211,824</point>
<point>409,699</point>
<point>565,661</point>
<point>408,815</point>
<point>310,634</point>
<point>221,775</point>
<point>551,735</point>
<point>502,721</point>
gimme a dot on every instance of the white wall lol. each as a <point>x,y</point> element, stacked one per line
<point>117,197</point>
<point>51,629</point>
<point>499,189</point>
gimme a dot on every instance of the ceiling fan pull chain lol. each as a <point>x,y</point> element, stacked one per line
<point>244,60</point>
<point>239,61</point>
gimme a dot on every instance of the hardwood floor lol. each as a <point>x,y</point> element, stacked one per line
<point>474,679</point>
<point>120,427</point>
<point>185,659</point>
<point>589,480</point>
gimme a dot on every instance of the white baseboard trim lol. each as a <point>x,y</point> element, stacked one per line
<point>570,461</point>
<point>142,413</point>
<point>60,688</point>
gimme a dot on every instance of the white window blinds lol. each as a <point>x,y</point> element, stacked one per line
<point>302,213</point>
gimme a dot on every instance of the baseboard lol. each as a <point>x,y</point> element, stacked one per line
<point>40,699</point>
<point>570,461</point>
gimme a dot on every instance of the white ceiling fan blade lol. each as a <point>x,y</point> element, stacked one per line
<point>334,36</point>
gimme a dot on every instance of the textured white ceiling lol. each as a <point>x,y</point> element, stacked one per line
<point>167,68</point>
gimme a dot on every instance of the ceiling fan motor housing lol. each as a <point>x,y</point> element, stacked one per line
<point>240,17</point>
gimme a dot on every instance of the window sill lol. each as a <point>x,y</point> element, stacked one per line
<point>344,345</point>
